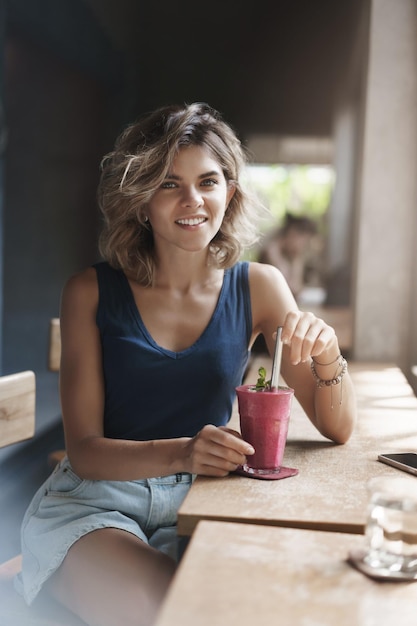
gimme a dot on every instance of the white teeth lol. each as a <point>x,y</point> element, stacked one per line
<point>192,221</point>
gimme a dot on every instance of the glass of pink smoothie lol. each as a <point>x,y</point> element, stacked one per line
<point>264,417</point>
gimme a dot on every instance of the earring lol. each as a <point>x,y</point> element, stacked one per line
<point>146,218</point>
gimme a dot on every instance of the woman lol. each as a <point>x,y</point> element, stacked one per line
<point>154,341</point>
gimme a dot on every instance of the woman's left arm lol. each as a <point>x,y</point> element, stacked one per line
<point>312,364</point>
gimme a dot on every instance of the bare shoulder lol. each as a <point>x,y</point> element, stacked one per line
<point>265,278</point>
<point>271,297</point>
<point>80,291</point>
<point>264,272</point>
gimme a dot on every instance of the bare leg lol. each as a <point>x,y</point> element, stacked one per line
<point>110,577</point>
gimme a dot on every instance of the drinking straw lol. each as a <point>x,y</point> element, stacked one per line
<point>276,362</point>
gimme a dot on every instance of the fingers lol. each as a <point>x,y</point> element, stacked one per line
<point>235,433</point>
<point>306,335</point>
<point>218,451</point>
<point>228,438</point>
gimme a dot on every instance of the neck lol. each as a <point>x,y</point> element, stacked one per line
<point>184,272</point>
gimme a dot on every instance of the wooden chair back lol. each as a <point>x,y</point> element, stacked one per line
<point>54,353</point>
<point>17,407</point>
<point>54,362</point>
<point>17,423</point>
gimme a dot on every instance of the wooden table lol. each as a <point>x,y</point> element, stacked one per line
<point>330,491</point>
<point>242,575</point>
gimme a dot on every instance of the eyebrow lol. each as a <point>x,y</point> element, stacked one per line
<point>205,175</point>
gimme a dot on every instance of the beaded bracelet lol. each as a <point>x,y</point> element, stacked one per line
<point>320,382</point>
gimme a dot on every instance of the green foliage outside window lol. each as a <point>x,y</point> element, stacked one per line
<point>302,190</point>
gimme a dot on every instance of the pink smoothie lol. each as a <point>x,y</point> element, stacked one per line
<point>264,418</point>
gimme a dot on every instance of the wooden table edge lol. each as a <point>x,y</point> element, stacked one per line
<point>187,525</point>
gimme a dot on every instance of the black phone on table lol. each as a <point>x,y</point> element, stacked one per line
<point>405,461</point>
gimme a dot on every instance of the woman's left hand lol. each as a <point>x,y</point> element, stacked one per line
<point>308,336</point>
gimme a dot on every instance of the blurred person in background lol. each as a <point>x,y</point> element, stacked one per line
<point>287,249</point>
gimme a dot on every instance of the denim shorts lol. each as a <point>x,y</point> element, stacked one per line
<point>67,507</point>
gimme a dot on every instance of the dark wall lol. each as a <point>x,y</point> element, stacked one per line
<point>272,66</point>
<point>58,117</point>
<point>2,149</point>
<point>54,117</point>
<point>54,120</point>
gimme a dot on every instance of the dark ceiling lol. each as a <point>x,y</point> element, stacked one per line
<point>270,66</point>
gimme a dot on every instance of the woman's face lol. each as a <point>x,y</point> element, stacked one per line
<point>187,210</point>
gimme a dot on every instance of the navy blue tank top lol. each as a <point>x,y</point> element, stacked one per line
<point>154,393</point>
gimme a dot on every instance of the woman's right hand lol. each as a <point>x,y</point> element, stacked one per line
<point>216,451</point>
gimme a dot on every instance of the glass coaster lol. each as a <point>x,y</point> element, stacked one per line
<point>356,558</point>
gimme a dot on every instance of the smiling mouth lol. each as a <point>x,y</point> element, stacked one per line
<point>192,221</point>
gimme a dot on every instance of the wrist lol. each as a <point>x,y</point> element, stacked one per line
<point>324,380</point>
<point>329,374</point>
<point>327,365</point>
<point>179,457</point>
<point>329,356</point>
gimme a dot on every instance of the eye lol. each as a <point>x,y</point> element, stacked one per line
<point>168,184</point>
<point>209,182</point>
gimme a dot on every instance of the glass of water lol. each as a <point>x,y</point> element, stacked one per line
<point>391,527</point>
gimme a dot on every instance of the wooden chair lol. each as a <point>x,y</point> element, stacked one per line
<point>54,360</point>
<point>17,407</point>
<point>54,352</point>
<point>17,423</point>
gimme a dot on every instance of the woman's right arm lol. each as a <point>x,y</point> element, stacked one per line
<point>213,451</point>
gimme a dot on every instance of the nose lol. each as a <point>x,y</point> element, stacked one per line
<point>191,197</point>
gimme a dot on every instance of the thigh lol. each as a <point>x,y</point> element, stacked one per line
<point>111,577</point>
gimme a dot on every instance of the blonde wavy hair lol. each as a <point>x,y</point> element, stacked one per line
<point>142,157</point>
